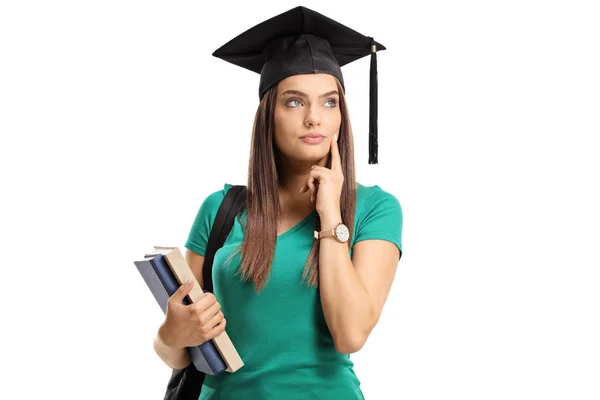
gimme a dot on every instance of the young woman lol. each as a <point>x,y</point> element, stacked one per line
<point>306,269</point>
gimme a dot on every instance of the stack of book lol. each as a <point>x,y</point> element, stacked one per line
<point>164,270</point>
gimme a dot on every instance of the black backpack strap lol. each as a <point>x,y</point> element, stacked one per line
<point>232,204</point>
<point>186,383</point>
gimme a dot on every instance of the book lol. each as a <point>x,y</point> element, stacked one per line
<point>183,273</point>
<point>162,283</point>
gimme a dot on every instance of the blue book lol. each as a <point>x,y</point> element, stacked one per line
<point>162,283</point>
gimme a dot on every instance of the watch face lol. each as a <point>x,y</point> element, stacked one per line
<point>341,231</point>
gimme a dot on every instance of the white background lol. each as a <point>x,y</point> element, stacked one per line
<point>117,122</point>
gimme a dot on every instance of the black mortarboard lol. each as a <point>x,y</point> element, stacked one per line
<point>302,41</point>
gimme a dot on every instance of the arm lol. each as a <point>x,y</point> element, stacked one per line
<point>353,291</point>
<point>177,358</point>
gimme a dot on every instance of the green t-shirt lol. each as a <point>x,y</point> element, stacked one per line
<point>281,333</point>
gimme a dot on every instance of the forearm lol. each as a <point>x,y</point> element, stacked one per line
<point>346,303</point>
<point>173,357</point>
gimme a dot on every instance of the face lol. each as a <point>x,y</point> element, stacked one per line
<point>306,105</point>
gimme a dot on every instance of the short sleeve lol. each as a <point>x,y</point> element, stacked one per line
<point>382,219</point>
<point>200,232</point>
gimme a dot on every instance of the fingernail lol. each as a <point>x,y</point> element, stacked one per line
<point>189,282</point>
<point>335,137</point>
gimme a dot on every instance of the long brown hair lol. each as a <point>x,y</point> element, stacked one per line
<point>262,195</point>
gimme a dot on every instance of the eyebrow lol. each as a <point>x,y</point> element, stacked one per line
<point>302,94</point>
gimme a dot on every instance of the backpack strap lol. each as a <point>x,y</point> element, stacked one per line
<point>232,204</point>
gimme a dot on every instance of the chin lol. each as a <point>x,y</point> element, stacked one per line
<point>312,155</point>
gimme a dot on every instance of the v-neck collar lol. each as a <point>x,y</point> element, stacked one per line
<point>298,226</point>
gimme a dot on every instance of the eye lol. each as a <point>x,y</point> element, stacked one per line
<point>331,103</point>
<point>293,103</point>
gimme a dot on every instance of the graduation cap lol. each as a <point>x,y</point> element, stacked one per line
<point>302,41</point>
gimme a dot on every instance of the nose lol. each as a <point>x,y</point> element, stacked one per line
<point>312,118</point>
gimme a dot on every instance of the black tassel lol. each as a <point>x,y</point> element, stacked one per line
<point>373,145</point>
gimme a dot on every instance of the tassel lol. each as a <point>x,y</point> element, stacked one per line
<point>373,145</point>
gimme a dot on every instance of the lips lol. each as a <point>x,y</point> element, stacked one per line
<point>312,136</point>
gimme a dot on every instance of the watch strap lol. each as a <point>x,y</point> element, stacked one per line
<point>326,233</point>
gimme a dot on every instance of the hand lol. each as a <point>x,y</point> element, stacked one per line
<point>194,324</point>
<point>325,184</point>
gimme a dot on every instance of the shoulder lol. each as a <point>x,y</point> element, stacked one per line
<point>378,215</point>
<point>205,217</point>
<point>215,198</point>
<point>369,198</point>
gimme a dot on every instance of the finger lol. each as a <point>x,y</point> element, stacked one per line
<point>218,329</point>
<point>336,162</point>
<point>205,302</point>
<point>182,291</point>
<point>210,311</point>
<point>316,176</point>
<point>319,174</point>
<point>308,187</point>
<point>215,320</point>
<point>313,190</point>
<point>207,333</point>
<point>312,185</point>
<point>305,189</point>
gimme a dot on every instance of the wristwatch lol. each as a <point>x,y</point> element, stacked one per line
<point>339,233</point>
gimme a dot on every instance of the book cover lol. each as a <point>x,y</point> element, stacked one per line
<point>162,283</point>
<point>183,273</point>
